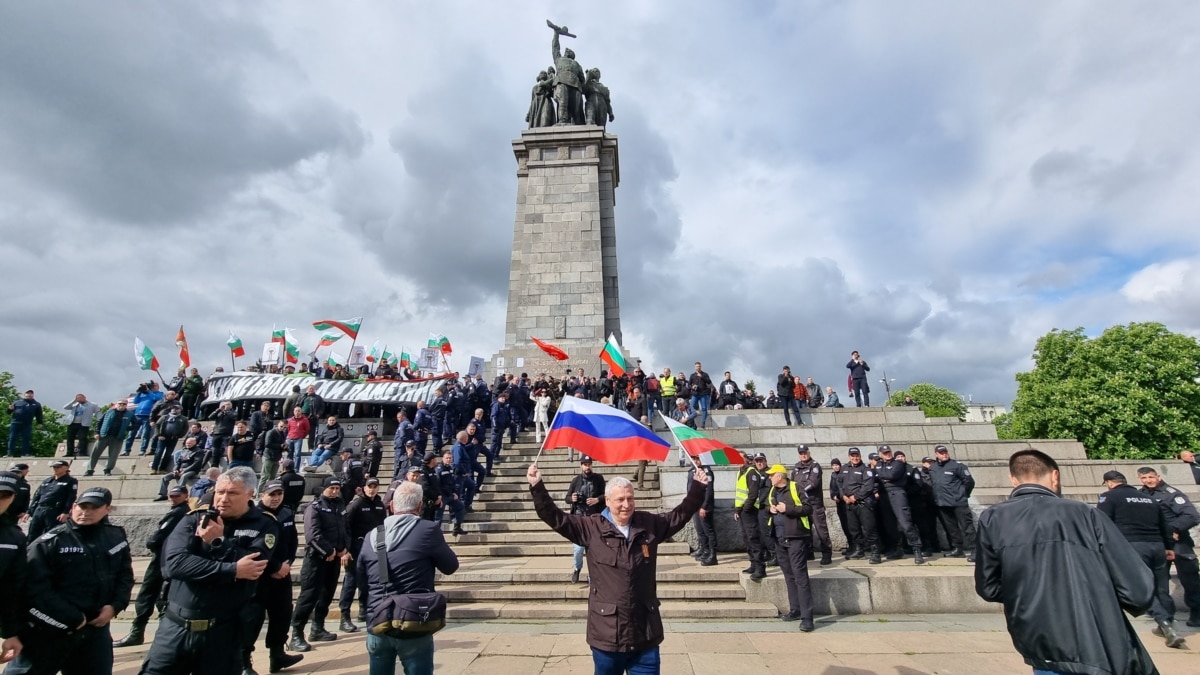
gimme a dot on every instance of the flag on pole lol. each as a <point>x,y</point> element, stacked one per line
<point>405,359</point>
<point>348,326</point>
<point>327,340</point>
<point>277,335</point>
<point>389,357</point>
<point>710,451</point>
<point>603,432</point>
<point>374,353</point>
<point>440,343</point>
<point>235,345</point>
<point>145,357</point>
<point>291,348</point>
<point>550,349</point>
<point>334,360</point>
<point>611,354</point>
<point>181,342</point>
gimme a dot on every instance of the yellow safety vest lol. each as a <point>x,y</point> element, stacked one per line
<point>795,499</point>
<point>666,386</point>
<point>741,490</point>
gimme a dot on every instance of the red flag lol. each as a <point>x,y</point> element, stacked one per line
<point>850,384</point>
<point>181,341</point>
<point>550,349</point>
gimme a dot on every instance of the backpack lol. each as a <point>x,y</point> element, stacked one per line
<point>652,384</point>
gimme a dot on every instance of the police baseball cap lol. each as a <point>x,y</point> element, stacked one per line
<point>758,456</point>
<point>345,450</point>
<point>431,455</point>
<point>176,490</point>
<point>940,448</point>
<point>873,456</point>
<point>853,451</point>
<point>927,459</point>
<point>408,443</point>
<point>59,462</point>
<point>885,448</point>
<point>19,466</point>
<point>835,462</point>
<point>776,468</point>
<point>272,486</point>
<point>1113,475</point>
<point>332,481</point>
<point>413,469</point>
<point>285,464</point>
<point>802,449</point>
<point>584,459</point>
<point>96,495</point>
<point>372,481</point>
<point>372,433</point>
<point>8,481</point>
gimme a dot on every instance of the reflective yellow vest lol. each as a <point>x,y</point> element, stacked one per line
<point>741,490</point>
<point>666,386</point>
<point>795,500</point>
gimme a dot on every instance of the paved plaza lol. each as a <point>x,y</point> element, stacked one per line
<point>942,644</point>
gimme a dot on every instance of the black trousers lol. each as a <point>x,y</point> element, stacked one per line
<point>273,604</point>
<point>179,651</point>
<point>764,533</point>
<point>1188,572</point>
<point>820,527</point>
<point>151,595</point>
<point>77,433</point>
<point>754,546</point>
<point>844,523</point>
<point>351,584</point>
<point>1162,608</point>
<point>41,521</point>
<point>48,652</point>
<point>318,580</point>
<point>924,515</point>
<point>706,533</point>
<point>904,522</point>
<point>862,393</point>
<point>861,519</point>
<point>960,526</point>
<point>793,563</point>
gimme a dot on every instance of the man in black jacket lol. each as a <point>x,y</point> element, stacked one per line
<point>952,487</point>
<point>706,533</point>
<point>750,483</point>
<point>807,475</point>
<point>353,475</point>
<point>12,569</point>
<point>53,501</point>
<point>365,513</point>
<point>785,384</point>
<point>701,386</point>
<point>273,596</point>
<point>294,485</point>
<point>857,485</point>
<point>273,445</point>
<point>835,493</point>
<point>372,454</point>
<point>327,548</point>
<point>924,509</point>
<point>585,496</point>
<point>892,473</point>
<point>79,576</point>
<point>223,418</point>
<point>858,378</point>
<point>153,593</point>
<point>1143,522</point>
<point>1065,575</point>
<point>1182,519</point>
<point>791,527</point>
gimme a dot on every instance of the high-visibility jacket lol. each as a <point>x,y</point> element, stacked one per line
<point>741,490</point>
<point>795,500</point>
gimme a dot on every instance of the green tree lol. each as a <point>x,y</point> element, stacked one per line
<point>1129,393</point>
<point>1004,430</point>
<point>46,437</point>
<point>933,400</point>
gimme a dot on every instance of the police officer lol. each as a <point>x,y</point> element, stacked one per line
<point>273,595</point>
<point>153,592</point>
<point>764,514</point>
<point>447,480</point>
<point>327,547</point>
<point>79,576</point>
<point>893,474</point>
<point>437,417</point>
<point>791,527</point>
<point>1143,521</point>
<point>407,459</point>
<point>365,513</point>
<point>213,558</point>
<point>53,500</point>
<point>835,493</point>
<point>1182,519</point>
<point>952,487</point>
<point>703,520</point>
<point>807,474</point>
<point>293,485</point>
<point>353,475</point>
<point>745,510</point>
<point>372,454</point>
<point>857,486</point>
<point>12,569</point>
<point>16,512</point>
<point>405,432</point>
<point>920,500</point>
<point>431,486</point>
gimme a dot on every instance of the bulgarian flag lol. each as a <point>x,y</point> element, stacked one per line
<point>181,342</point>
<point>374,354</point>
<point>334,360</point>
<point>327,340</point>
<point>441,343</point>
<point>145,357</point>
<point>611,354</point>
<point>405,359</point>
<point>348,326</point>
<point>291,348</point>
<point>277,335</point>
<point>235,345</point>
<point>389,357</point>
<point>710,451</point>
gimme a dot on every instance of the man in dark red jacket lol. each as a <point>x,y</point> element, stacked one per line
<point>624,628</point>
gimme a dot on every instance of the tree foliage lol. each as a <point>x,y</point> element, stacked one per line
<point>1129,393</point>
<point>933,400</point>
<point>46,437</point>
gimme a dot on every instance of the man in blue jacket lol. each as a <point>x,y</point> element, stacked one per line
<point>20,427</point>
<point>143,403</point>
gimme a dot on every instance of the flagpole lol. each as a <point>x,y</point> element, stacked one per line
<point>543,447</point>
<point>353,341</point>
<point>232,361</point>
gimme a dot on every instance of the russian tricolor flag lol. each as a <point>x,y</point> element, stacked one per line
<point>604,433</point>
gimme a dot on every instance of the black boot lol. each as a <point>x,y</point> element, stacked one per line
<point>1166,630</point>
<point>826,558</point>
<point>347,626</point>
<point>1194,619</point>
<point>136,636</point>
<point>875,559</point>
<point>698,554</point>
<point>317,633</point>
<point>281,659</point>
<point>298,643</point>
<point>956,553</point>
<point>918,558</point>
<point>771,561</point>
<point>710,559</point>
<point>247,664</point>
<point>750,569</point>
<point>759,573</point>
<point>575,575</point>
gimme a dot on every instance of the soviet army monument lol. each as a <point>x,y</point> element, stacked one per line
<point>562,285</point>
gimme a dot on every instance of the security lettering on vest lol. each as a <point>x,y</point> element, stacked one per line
<point>246,533</point>
<point>114,550</point>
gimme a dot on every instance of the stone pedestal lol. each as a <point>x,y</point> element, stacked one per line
<point>562,285</point>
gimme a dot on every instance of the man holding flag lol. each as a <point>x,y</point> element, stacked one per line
<point>624,627</point>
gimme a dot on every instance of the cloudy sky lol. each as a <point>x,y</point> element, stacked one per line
<point>935,184</point>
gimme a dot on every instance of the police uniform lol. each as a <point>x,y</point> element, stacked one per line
<point>793,530</point>
<point>153,592</point>
<point>353,476</point>
<point>325,534</point>
<point>363,515</point>
<point>446,478</point>
<point>53,498</point>
<point>1183,518</point>
<point>372,453</point>
<point>893,474</point>
<point>20,504</point>
<point>273,597</point>
<point>206,614</point>
<point>745,508</point>
<point>924,510</point>
<point>807,474</point>
<point>859,482</point>
<point>294,487</point>
<point>706,533</point>
<point>73,572</point>
<point>12,563</point>
<point>835,493</point>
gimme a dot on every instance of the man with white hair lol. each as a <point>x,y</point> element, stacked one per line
<point>414,549</point>
<point>624,627</point>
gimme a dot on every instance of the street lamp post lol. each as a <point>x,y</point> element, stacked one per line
<point>887,384</point>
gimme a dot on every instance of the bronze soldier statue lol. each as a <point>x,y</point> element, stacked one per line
<point>598,110</point>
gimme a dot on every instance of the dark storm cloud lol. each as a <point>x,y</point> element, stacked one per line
<point>146,113</point>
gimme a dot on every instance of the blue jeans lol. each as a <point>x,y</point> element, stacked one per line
<point>141,425</point>
<point>700,405</point>
<point>646,662</point>
<point>415,655</point>
<point>790,405</point>
<point>318,458</point>
<point>18,431</point>
<point>577,553</point>
<point>296,450</point>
